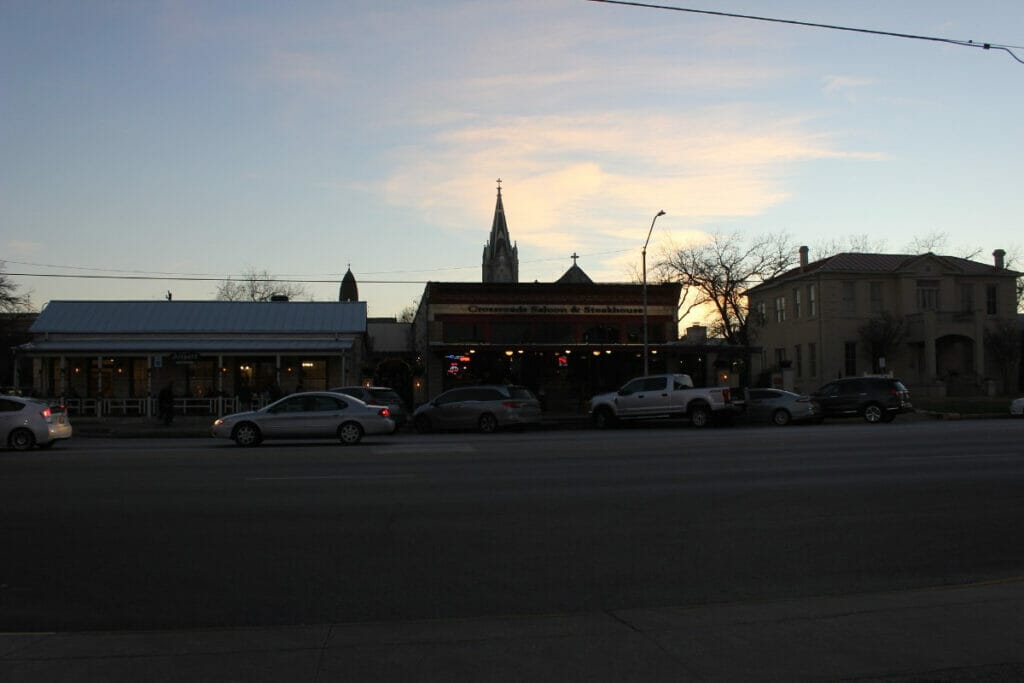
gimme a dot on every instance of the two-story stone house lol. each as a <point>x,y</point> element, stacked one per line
<point>934,311</point>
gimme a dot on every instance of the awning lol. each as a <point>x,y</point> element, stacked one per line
<point>109,347</point>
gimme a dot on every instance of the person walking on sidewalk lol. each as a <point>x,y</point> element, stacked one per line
<point>165,402</point>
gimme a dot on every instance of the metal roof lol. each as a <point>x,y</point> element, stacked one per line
<point>209,317</point>
<point>887,264</point>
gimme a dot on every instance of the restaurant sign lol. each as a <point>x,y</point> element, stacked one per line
<point>548,309</point>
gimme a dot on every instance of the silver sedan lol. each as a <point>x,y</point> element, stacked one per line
<point>780,407</point>
<point>307,415</point>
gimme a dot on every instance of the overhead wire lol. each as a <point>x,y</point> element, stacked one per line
<point>892,34</point>
<point>211,277</point>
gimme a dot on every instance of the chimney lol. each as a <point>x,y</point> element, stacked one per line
<point>803,258</point>
<point>1000,256</point>
<point>696,334</point>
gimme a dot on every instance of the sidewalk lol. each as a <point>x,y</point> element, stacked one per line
<point>968,633</point>
<point>195,426</point>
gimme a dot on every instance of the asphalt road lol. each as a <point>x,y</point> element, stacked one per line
<point>128,534</point>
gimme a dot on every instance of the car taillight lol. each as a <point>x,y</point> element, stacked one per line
<point>512,404</point>
<point>384,412</point>
<point>725,394</point>
<point>45,412</point>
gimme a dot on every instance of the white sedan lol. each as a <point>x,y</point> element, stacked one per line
<point>1017,406</point>
<point>307,415</point>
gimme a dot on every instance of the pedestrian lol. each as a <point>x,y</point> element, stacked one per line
<point>165,402</point>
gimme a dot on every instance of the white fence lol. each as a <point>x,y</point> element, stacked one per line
<point>149,407</point>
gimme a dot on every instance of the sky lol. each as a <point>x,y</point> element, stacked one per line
<point>202,139</point>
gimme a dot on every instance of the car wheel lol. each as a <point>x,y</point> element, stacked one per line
<point>487,423</point>
<point>22,440</point>
<point>700,416</point>
<point>422,424</point>
<point>873,413</point>
<point>781,417</point>
<point>603,418</point>
<point>247,434</point>
<point>350,433</point>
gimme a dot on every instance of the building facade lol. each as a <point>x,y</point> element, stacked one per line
<point>113,357</point>
<point>929,319</point>
<point>564,340</point>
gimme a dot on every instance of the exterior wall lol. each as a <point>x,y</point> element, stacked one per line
<point>942,349</point>
<point>562,340</point>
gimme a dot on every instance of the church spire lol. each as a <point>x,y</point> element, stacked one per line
<point>348,290</point>
<point>501,255</point>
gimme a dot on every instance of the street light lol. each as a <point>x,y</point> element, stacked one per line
<point>643,258</point>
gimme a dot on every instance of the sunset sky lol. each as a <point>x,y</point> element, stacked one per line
<point>199,139</point>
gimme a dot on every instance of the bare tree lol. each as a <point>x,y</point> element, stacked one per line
<point>256,285</point>
<point>1002,342</point>
<point>881,334</point>
<point>860,244</point>
<point>935,242</point>
<point>1012,264</point>
<point>10,300</point>
<point>408,314</point>
<point>717,273</point>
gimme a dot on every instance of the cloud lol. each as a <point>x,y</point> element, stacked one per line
<point>588,182</point>
<point>846,85</point>
<point>23,248</point>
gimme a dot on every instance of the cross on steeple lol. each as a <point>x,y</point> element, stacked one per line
<point>499,185</point>
<point>574,257</point>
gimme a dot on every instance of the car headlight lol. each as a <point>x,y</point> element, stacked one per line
<point>218,422</point>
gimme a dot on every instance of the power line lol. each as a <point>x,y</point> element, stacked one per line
<point>206,277</point>
<point>963,43</point>
<point>214,277</point>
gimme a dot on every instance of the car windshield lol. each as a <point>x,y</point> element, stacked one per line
<point>385,395</point>
<point>521,393</point>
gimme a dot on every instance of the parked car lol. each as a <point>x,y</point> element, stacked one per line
<point>1017,406</point>
<point>779,407</point>
<point>27,422</point>
<point>661,396</point>
<point>876,399</point>
<point>487,407</point>
<point>310,414</point>
<point>379,396</point>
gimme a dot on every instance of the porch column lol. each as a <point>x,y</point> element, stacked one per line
<point>99,386</point>
<point>220,384</point>
<point>930,369</point>
<point>149,385</point>
<point>63,377</point>
<point>979,347</point>
<point>277,370</point>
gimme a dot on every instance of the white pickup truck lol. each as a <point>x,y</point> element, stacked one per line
<point>659,396</point>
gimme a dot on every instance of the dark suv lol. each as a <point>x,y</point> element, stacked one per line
<point>876,399</point>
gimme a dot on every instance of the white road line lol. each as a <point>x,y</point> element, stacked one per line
<point>353,477</point>
<point>423,449</point>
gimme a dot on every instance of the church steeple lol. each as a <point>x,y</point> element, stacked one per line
<point>348,291</point>
<point>501,255</point>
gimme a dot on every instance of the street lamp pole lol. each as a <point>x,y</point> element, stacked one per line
<point>643,266</point>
